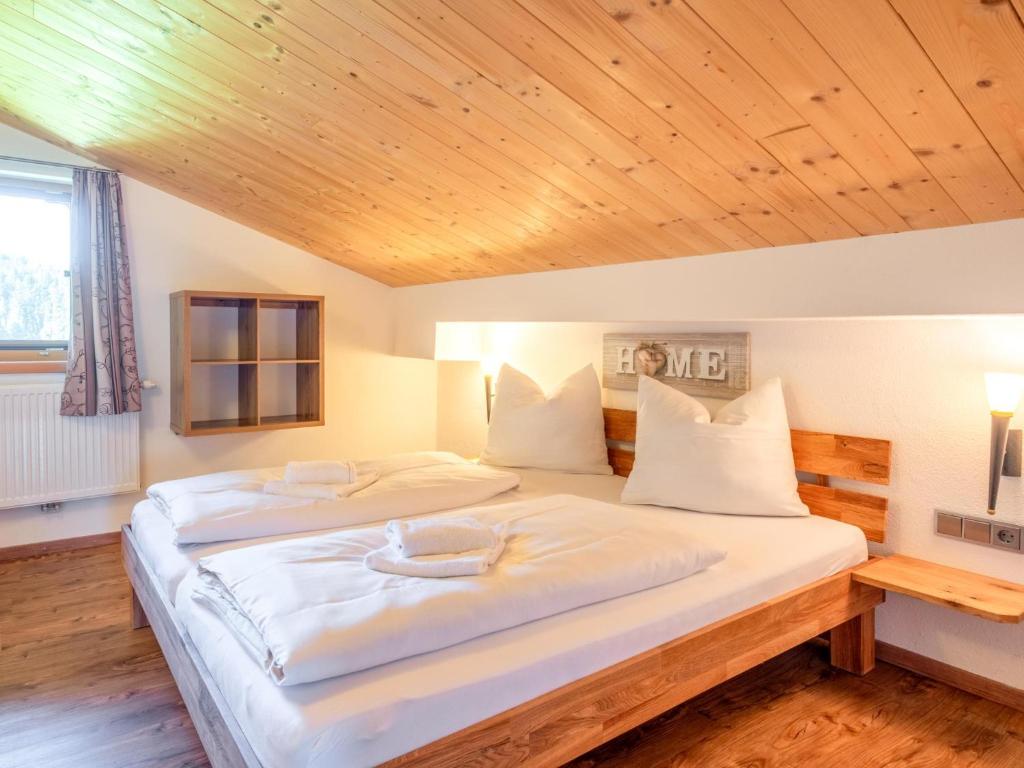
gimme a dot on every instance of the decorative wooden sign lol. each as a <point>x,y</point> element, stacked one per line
<point>700,364</point>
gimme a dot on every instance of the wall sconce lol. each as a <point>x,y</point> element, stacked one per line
<point>490,366</point>
<point>1004,392</point>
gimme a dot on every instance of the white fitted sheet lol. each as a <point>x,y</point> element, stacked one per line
<point>371,716</point>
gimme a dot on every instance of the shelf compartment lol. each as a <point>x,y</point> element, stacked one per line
<point>290,393</point>
<point>224,393</point>
<point>223,328</point>
<point>289,329</point>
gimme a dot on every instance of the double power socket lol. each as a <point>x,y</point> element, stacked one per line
<point>979,531</point>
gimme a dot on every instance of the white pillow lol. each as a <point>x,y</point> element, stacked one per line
<point>739,464</point>
<point>563,432</point>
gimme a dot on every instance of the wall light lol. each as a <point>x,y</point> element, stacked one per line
<point>1004,393</point>
<point>490,365</point>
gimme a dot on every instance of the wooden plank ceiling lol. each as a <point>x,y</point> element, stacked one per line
<point>419,141</point>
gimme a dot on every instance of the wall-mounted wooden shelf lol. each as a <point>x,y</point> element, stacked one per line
<point>973,593</point>
<point>244,362</point>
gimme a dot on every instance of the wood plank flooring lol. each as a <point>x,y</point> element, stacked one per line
<point>78,688</point>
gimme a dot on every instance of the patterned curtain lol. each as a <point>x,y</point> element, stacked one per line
<point>103,376</point>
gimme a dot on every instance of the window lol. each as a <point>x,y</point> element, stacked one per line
<point>35,263</point>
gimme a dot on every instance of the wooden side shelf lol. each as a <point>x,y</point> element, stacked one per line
<point>242,362</point>
<point>973,593</point>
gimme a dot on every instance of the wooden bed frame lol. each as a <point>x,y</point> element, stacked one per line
<point>567,722</point>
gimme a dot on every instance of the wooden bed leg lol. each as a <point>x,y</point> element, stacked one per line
<point>852,644</point>
<point>139,619</point>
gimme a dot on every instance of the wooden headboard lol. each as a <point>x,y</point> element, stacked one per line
<point>821,454</point>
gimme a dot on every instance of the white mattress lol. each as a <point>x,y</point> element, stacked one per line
<point>371,716</point>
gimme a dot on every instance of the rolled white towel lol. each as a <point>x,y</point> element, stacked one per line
<point>473,563</point>
<point>440,535</point>
<point>323,472</point>
<point>320,490</point>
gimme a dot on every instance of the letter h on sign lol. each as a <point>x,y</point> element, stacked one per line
<point>627,360</point>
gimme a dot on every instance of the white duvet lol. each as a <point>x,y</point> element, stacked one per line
<point>225,506</point>
<point>308,609</point>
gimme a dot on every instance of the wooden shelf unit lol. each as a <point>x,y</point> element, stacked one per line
<point>220,383</point>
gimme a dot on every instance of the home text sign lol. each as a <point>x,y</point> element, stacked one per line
<point>700,364</point>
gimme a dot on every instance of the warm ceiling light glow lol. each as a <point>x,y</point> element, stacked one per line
<point>1004,391</point>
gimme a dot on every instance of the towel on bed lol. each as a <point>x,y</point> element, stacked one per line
<point>322,472</point>
<point>209,508</point>
<point>467,563</point>
<point>440,536</point>
<point>308,609</point>
<point>323,491</point>
<point>300,490</point>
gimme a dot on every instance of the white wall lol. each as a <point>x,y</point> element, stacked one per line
<point>916,381</point>
<point>974,269</point>
<point>375,403</point>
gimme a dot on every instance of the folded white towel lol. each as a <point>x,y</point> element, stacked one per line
<point>473,563</point>
<point>320,490</point>
<point>300,490</point>
<point>440,535</point>
<point>329,472</point>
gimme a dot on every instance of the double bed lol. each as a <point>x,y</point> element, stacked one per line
<point>543,692</point>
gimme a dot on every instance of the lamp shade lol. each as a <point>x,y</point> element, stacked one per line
<point>1004,391</point>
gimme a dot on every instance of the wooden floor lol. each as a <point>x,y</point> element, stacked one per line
<point>78,688</point>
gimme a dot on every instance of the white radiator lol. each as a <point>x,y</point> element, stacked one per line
<point>46,457</point>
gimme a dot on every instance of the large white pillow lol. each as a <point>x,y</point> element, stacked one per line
<point>563,432</point>
<point>739,464</point>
